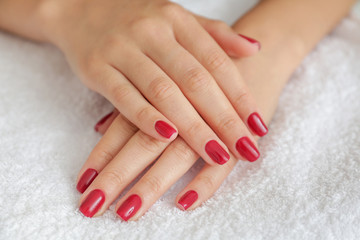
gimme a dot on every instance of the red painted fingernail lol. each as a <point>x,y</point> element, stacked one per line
<point>102,121</point>
<point>86,179</point>
<point>92,203</point>
<point>129,207</point>
<point>216,152</point>
<point>251,40</point>
<point>164,129</point>
<point>247,149</point>
<point>257,125</point>
<point>188,199</point>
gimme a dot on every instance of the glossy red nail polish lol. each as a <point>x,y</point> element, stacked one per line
<point>251,40</point>
<point>216,152</point>
<point>102,121</point>
<point>247,149</point>
<point>257,125</point>
<point>86,179</point>
<point>129,207</point>
<point>164,129</point>
<point>92,203</point>
<point>188,199</point>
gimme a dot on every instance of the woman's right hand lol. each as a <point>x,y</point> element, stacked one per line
<point>160,66</point>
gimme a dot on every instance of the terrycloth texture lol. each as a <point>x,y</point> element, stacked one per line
<point>306,186</point>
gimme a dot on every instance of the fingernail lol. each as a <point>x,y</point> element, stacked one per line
<point>216,152</point>
<point>102,121</point>
<point>164,129</point>
<point>92,203</point>
<point>257,125</point>
<point>251,40</point>
<point>129,207</point>
<point>247,149</point>
<point>188,199</point>
<point>86,179</point>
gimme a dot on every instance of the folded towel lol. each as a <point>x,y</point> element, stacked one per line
<point>306,185</point>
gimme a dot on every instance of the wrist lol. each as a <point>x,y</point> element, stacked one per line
<point>55,16</point>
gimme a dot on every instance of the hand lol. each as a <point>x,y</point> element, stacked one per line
<point>124,152</point>
<point>164,72</point>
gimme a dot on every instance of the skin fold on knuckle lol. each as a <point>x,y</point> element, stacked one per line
<point>149,144</point>
<point>241,98</point>
<point>115,177</point>
<point>217,61</point>
<point>121,93</point>
<point>161,89</point>
<point>153,184</point>
<point>143,114</point>
<point>184,154</point>
<point>206,182</point>
<point>102,155</point>
<point>194,129</point>
<point>196,80</point>
<point>227,123</point>
<point>125,125</point>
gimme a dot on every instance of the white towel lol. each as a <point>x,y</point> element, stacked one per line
<point>306,186</point>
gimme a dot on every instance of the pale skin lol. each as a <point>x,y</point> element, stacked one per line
<point>286,33</point>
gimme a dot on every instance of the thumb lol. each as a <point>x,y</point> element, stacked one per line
<point>234,44</point>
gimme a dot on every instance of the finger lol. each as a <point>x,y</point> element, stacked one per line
<point>203,186</point>
<point>120,131</point>
<point>142,114</point>
<point>235,45</point>
<point>140,151</point>
<point>166,96</point>
<point>104,123</point>
<point>206,96</point>
<point>176,160</point>
<point>211,56</point>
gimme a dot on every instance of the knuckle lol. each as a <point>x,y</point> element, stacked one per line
<point>219,24</point>
<point>148,143</point>
<point>121,93</point>
<point>144,113</point>
<point>89,66</point>
<point>227,123</point>
<point>115,177</point>
<point>207,182</point>
<point>104,156</point>
<point>147,27</point>
<point>194,129</point>
<point>111,42</point>
<point>241,97</point>
<point>183,152</point>
<point>196,80</point>
<point>128,125</point>
<point>161,89</point>
<point>216,60</point>
<point>171,9</point>
<point>153,183</point>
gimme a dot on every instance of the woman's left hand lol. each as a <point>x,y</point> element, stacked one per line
<point>123,153</point>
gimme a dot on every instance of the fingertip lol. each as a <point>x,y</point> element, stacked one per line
<point>167,132</point>
<point>187,200</point>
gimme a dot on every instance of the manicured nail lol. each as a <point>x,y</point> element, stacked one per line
<point>216,152</point>
<point>257,125</point>
<point>251,40</point>
<point>92,203</point>
<point>102,121</point>
<point>129,207</point>
<point>188,199</point>
<point>247,149</point>
<point>164,129</point>
<point>86,179</point>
